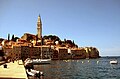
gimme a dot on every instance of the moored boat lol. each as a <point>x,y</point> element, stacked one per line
<point>113,62</point>
<point>28,64</point>
<point>41,61</point>
<point>35,73</point>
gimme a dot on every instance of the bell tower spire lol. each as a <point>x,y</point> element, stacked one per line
<point>39,27</point>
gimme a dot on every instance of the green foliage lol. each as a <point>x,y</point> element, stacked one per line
<point>52,37</point>
<point>14,38</point>
<point>62,43</point>
<point>29,38</point>
<point>8,37</point>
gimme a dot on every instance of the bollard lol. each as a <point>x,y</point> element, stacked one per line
<point>41,73</point>
<point>97,62</point>
<point>5,65</point>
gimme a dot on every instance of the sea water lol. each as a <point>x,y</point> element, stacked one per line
<point>81,69</point>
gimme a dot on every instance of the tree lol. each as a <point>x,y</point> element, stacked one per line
<point>29,38</point>
<point>12,37</point>
<point>65,40</point>
<point>8,37</point>
<point>52,37</point>
<point>73,42</point>
<point>15,39</point>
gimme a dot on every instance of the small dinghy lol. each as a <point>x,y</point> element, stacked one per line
<point>34,73</point>
<point>113,62</point>
<point>30,73</point>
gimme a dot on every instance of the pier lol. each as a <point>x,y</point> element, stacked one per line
<point>13,70</point>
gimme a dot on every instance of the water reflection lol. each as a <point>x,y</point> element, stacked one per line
<point>80,69</point>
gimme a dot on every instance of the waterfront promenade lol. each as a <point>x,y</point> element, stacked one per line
<point>14,70</point>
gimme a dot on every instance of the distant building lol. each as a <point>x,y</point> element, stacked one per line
<point>28,37</point>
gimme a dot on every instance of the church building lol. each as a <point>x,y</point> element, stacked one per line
<point>36,39</point>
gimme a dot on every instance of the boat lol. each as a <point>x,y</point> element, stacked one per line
<point>41,61</point>
<point>113,62</point>
<point>34,73</point>
<point>28,64</point>
<point>30,73</point>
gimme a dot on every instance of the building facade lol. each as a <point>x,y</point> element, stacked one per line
<point>62,53</point>
<point>78,53</point>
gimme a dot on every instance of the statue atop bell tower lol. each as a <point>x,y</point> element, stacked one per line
<point>39,28</point>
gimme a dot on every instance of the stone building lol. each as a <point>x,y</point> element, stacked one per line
<point>35,52</point>
<point>19,52</point>
<point>62,53</point>
<point>32,52</point>
<point>16,53</point>
<point>40,52</point>
<point>25,52</point>
<point>9,52</point>
<point>28,37</point>
<point>46,52</point>
<point>78,53</point>
<point>55,55</point>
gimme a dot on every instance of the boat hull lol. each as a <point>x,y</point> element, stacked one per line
<point>41,61</point>
<point>113,62</point>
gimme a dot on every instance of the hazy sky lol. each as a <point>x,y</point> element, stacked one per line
<point>88,22</point>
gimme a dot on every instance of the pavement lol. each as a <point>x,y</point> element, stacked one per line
<point>14,70</point>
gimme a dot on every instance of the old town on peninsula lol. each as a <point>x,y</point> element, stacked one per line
<point>50,46</point>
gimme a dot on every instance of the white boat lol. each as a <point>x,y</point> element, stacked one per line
<point>113,62</point>
<point>28,64</point>
<point>41,61</point>
<point>27,61</point>
<point>30,73</point>
<point>34,73</point>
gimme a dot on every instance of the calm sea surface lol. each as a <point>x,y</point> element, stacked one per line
<point>81,69</point>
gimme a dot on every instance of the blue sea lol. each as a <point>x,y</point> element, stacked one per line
<point>81,69</point>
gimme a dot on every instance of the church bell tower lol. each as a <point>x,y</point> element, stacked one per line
<point>39,28</point>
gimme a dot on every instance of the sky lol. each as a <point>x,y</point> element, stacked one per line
<point>93,23</point>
